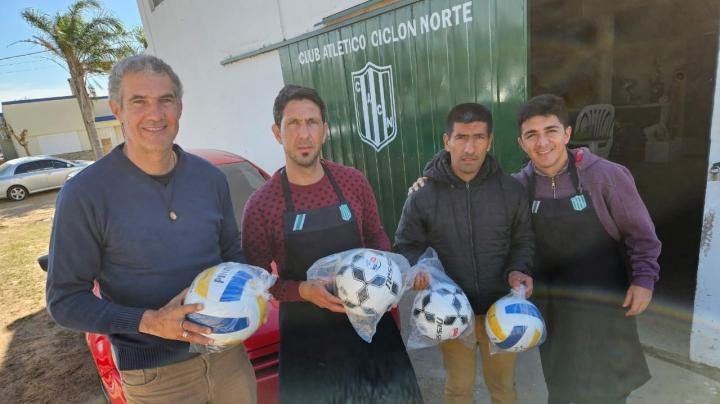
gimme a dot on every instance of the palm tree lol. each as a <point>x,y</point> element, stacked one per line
<point>138,36</point>
<point>86,46</point>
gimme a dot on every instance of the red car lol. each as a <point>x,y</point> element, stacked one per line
<point>244,178</point>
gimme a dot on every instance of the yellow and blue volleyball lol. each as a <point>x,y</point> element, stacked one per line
<point>514,324</point>
<point>234,300</point>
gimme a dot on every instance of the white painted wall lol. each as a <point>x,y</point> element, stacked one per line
<point>705,337</point>
<point>230,107</point>
<point>59,143</point>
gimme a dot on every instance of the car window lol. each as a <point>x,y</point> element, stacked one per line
<point>43,164</point>
<point>243,180</point>
<point>26,167</point>
<point>59,164</point>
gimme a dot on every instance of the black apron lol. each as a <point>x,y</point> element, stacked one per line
<point>322,359</point>
<point>592,352</point>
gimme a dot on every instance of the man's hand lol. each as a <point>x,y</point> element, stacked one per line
<point>169,322</point>
<point>419,183</point>
<point>517,278</point>
<point>637,298</point>
<point>316,293</point>
<point>422,281</point>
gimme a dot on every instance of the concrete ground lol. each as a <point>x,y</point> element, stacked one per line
<point>664,332</point>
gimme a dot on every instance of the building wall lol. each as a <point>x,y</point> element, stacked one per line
<point>387,100</point>
<point>55,121</point>
<point>213,31</point>
<point>705,337</point>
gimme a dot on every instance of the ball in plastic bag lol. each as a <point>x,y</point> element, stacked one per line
<point>514,324</point>
<point>442,312</point>
<point>234,303</point>
<point>368,283</point>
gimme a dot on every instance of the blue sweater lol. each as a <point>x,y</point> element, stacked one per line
<point>111,224</point>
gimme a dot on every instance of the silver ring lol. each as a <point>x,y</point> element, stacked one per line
<point>185,334</point>
<point>182,325</point>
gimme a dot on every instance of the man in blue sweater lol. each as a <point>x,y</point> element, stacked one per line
<point>144,221</point>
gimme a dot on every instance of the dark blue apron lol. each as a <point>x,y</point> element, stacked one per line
<point>322,359</point>
<point>592,352</point>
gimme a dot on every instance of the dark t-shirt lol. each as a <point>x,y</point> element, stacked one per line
<point>165,178</point>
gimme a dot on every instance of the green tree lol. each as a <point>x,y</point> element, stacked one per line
<point>138,36</point>
<point>87,44</point>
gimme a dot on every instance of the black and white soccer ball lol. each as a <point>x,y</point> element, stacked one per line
<point>442,311</point>
<point>368,283</point>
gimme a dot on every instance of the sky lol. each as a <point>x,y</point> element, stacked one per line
<point>38,76</point>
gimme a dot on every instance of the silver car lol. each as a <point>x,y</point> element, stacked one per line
<point>25,175</point>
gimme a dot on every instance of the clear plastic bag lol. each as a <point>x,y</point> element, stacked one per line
<point>369,282</point>
<point>235,298</point>
<point>514,324</point>
<point>442,311</point>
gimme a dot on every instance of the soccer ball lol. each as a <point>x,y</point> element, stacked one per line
<point>368,283</point>
<point>234,302</point>
<point>442,311</point>
<point>514,324</point>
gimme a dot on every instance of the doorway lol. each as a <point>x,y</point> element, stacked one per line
<point>655,62</point>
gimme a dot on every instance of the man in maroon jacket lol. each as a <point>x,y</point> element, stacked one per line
<point>309,209</point>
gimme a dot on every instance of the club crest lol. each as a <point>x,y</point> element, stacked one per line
<point>374,96</point>
<point>578,202</point>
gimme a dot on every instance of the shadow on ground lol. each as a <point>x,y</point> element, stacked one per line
<point>45,363</point>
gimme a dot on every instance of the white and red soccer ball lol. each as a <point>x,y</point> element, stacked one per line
<point>368,283</point>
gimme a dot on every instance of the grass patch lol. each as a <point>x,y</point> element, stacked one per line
<point>22,279</point>
<point>40,361</point>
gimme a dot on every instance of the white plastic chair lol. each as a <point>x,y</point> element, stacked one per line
<point>594,129</point>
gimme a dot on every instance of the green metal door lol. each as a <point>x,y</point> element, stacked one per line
<point>390,79</point>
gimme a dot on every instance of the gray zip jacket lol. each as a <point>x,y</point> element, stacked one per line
<point>480,229</point>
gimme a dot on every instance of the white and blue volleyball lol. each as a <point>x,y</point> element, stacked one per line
<point>514,324</point>
<point>368,283</point>
<point>442,311</point>
<point>234,300</point>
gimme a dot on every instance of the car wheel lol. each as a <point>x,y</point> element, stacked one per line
<point>17,193</point>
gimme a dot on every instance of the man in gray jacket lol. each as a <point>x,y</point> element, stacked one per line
<point>477,219</point>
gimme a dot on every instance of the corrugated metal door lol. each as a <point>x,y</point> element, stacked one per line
<point>389,81</point>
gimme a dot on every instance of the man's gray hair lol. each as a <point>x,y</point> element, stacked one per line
<point>138,64</point>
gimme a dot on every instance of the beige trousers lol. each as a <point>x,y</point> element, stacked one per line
<point>459,361</point>
<point>222,377</point>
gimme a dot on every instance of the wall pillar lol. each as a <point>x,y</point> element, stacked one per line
<point>705,337</point>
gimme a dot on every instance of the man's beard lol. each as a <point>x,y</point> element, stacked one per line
<point>307,160</point>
